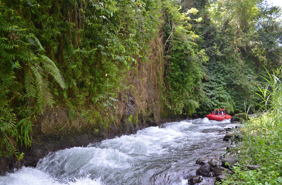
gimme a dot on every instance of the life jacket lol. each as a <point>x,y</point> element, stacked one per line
<point>220,112</point>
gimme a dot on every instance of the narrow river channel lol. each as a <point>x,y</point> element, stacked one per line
<point>155,155</point>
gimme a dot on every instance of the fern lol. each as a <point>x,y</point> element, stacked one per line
<point>25,127</point>
<point>30,88</point>
<point>52,69</point>
<point>8,131</point>
<point>39,85</point>
<point>5,126</point>
<point>48,98</point>
<point>33,40</point>
<point>36,82</point>
<point>21,52</point>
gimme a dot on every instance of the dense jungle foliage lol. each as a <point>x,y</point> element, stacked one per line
<point>240,39</point>
<point>76,53</point>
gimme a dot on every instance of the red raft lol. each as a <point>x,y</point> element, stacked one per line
<point>218,117</point>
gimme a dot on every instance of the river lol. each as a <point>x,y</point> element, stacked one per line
<point>154,155</point>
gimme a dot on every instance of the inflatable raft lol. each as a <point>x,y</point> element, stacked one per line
<point>218,117</point>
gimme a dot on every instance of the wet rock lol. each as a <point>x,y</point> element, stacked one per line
<point>251,167</point>
<point>204,170</point>
<point>228,128</point>
<point>230,160</point>
<point>195,179</point>
<point>215,162</point>
<point>220,171</point>
<point>228,136</point>
<point>203,160</point>
<point>208,181</point>
<point>221,177</point>
<point>233,137</point>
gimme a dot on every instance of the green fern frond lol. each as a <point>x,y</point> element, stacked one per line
<point>12,147</point>
<point>48,98</point>
<point>52,69</point>
<point>30,88</point>
<point>6,126</point>
<point>35,83</point>
<point>33,40</point>
<point>25,128</point>
<point>10,123</point>
<point>39,86</point>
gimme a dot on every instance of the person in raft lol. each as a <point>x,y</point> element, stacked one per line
<point>214,112</point>
<point>222,112</point>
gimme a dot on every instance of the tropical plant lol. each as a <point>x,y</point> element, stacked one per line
<point>234,35</point>
<point>184,63</point>
<point>262,140</point>
<point>22,55</point>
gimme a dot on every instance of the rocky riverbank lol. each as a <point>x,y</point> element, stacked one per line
<point>216,168</point>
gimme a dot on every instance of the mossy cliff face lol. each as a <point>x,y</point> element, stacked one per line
<point>137,107</point>
<point>77,72</point>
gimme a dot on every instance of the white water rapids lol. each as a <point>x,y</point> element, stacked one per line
<point>155,155</point>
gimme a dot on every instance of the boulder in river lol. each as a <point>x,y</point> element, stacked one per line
<point>203,160</point>
<point>205,170</point>
<point>233,137</point>
<point>215,162</point>
<point>228,128</point>
<point>228,136</point>
<point>195,179</point>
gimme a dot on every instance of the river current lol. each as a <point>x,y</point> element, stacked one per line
<point>154,155</point>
